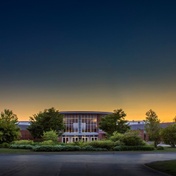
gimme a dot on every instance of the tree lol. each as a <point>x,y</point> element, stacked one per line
<point>168,135</point>
<point>174,119</point>
<point>49,119</point>
<point>9,131</point>
<point>114,122</point>
<point>152,126</point>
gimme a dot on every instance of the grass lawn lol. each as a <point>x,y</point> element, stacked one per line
<point>167,149</point>
<point>164,166</point>
<point>18,151</point>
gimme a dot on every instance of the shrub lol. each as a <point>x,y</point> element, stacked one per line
<point>50,135</point>
<point>42,148</point>
<point>71,148</point>
<point>78,143</point>
<point>160,148</point>
<point>56,148</point>
<point>48,142</point>
<point>5,145</point>
<point>101,144</point>
<point>24,142</point>
<point>133,148</point>
<point>132,138</point>
<point>17,146</point>
<point>87,148</point>
<point>118,143</point>
<point>90,148</point>
<point>116,136</point>
<point>117,148</point>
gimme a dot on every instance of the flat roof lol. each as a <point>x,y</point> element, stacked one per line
<point>85,112</point>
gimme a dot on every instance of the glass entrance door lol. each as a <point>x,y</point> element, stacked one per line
<point>65,139</point>
<point>74,139</point>
<point>85,139</point>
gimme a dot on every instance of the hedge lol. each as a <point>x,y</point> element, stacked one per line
<point>55,148</point>
<point>90,148</point>
<point>48,142</point>
<point>58,148</point>
<point>24,142</point>
<point>160,148</point>
<point>4,145</point>
<point>16,146</point>
<point>109,145</point>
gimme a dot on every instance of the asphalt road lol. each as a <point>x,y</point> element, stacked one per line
<point>84,164</point>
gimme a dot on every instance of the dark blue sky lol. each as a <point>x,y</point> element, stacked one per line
<point>80,48</point>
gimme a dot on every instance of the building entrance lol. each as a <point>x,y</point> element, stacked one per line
<point>74,139</point>
<point>85,139</point>
<point>69,139</point>
<point>65,139</point>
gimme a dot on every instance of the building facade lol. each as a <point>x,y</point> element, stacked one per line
<point>82,126</point>
<point>79,126</point>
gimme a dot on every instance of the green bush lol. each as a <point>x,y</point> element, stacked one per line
<point>50,135</point>
<point>118,143</point>
<point>56,148</point>
<point>17,146</point>
<point>101,144</point>
<point>133,148</point>
<point>24,142</point>
<point>160,148</point>
<point>116,136</point>
<point>48,142</point>
<point>132,138</point>
<point>87,148</point>
<point>90,148</point>
<point>4,145</point>
<point>71,148</point>
<point>117,148</point>
<point>78,143</point>
<point>43,148</point>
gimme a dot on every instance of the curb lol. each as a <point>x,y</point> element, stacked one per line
<point>160,172</point>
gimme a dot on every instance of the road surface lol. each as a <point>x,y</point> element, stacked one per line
<point>81,164</point>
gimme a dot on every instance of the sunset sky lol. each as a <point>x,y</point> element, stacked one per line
<point>88,55</point>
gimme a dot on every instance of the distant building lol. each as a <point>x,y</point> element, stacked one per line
<point>140,126</point>
<point>25,134</point>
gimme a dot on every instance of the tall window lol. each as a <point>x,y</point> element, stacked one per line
<point>71,123</point>
<point>80,123</point>
<point>89,123</point>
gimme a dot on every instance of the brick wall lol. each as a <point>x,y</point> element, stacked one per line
<point>25,135</point>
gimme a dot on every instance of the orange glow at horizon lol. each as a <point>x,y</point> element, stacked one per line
<point>134,101</point>
<point>133,111</point>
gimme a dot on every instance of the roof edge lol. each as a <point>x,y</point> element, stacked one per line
<point>85,112</point>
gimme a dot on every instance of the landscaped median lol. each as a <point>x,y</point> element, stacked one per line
<point>80,146</point>
<point>48,146</point>
<point>58,148</point>
<point>168,167</point>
